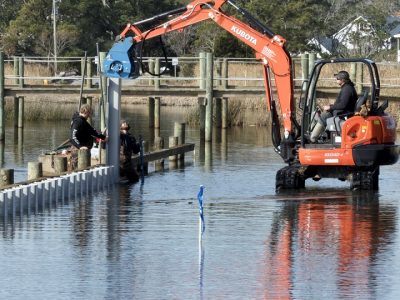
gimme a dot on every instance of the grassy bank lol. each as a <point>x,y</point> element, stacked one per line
<point>241,112</point>
<point>41,110</point>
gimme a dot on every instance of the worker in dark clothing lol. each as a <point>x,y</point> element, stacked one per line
<point>129,146</point>
<point>82,133</point>
<point>345,103</point>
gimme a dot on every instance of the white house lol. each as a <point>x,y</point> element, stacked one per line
<point>357,30</point>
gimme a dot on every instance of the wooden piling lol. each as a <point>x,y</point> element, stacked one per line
<point>89,72</point>
<point>209,96</point>
<point>35,170</point>
<point>218,63</point>
<point>157,82</point>
<point>360,77</point>
<point>353,71</point>
<point>2,146</point>
<point>16,70</point>
<point>151,69</point>
<point>202,67</point>
<point>159,145</point>
<point>83,158</point>
<point>179,131</point>
<point>224,73</point>
<point>61,164</point>
<point>6,177</point>
<point>21,72</point>
<point>2,99</point>
<point>224,124</point>
<point>304,66</point>
<point>16,111</point>
<point>311,62</point>
<point>21,115</point>
<point>202,109</point>
<point>157,108</point>
<point>89,101</point>
<point>150,106</point>
<point>172,142</point>
<point>145,146</point>
<point>218,112</point>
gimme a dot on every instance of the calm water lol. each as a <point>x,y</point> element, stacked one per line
<point>141,241</point>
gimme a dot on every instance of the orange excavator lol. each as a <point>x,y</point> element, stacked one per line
<point>352,148</point>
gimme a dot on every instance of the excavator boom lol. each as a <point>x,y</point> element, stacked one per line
<point>122,59</point>
<point>353,146</point>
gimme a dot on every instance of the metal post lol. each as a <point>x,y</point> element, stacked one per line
<point>114,116</point>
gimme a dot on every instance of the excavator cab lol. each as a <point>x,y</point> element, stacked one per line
<point>319,90</point>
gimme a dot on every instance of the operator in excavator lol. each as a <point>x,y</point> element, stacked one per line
<point>344,104</point>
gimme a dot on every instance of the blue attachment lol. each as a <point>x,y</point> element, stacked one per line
<point>121,60</point>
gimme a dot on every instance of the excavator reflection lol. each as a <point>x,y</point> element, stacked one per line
<point>326,248</point>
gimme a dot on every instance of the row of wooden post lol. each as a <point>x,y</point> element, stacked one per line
<point>35,169</point>
<point>153,63</point>
<point>206,114</point>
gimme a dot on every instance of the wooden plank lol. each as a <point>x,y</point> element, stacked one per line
<point>163,153</point>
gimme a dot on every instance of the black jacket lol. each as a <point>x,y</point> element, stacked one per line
<point>346,100</point>
<point>82,132</point>
<point>129,145</point>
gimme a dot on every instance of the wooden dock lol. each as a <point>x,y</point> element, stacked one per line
<point>163,153</point>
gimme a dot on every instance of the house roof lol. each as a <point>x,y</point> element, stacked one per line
<point>326,43</point>
<point>395,20</point>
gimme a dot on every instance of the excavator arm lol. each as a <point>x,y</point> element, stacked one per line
<point>269,50</point>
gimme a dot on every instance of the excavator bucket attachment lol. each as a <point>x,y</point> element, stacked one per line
<point>121,61</point>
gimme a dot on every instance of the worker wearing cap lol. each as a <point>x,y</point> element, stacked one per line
<point>128,147</point>
<point>345,103</point>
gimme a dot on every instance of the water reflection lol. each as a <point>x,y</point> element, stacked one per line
<point>331,244</point>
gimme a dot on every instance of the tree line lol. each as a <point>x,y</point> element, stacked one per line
<point>27,27</point>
